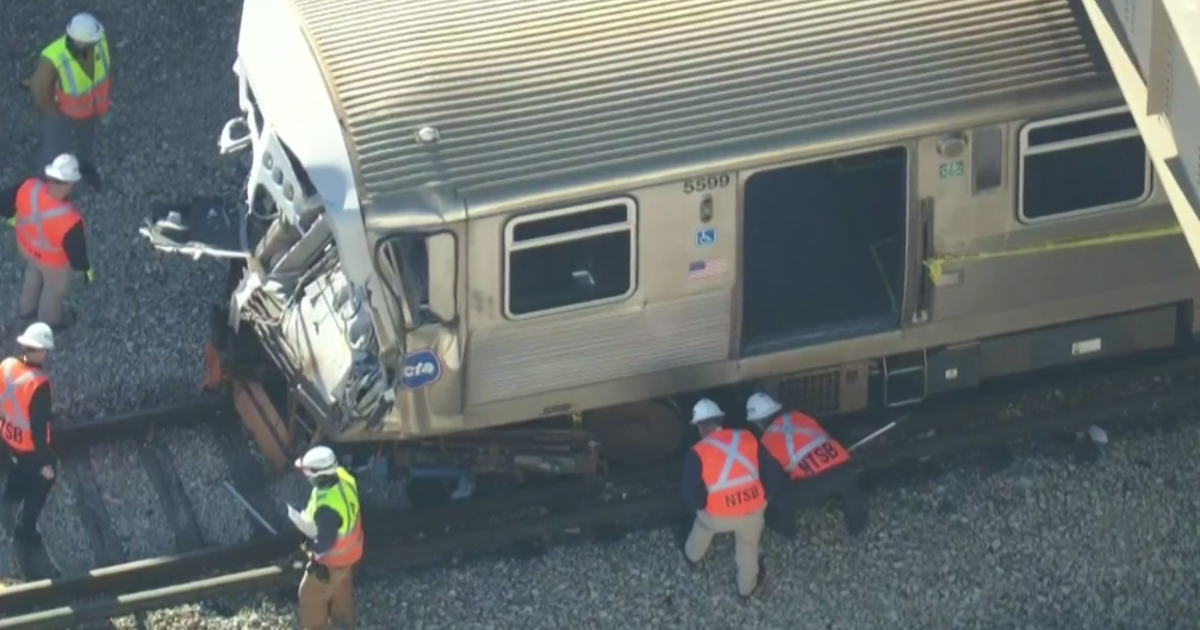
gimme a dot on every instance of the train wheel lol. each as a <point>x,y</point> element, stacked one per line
<point>637,433</point>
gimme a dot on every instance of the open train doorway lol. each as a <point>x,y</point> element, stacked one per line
<point>824,250</point>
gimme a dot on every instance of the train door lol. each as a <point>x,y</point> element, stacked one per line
<point>824,250</point>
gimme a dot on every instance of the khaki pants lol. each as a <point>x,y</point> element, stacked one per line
<point>325,601</point>
<point>44,291</point>
<point>746,530</point>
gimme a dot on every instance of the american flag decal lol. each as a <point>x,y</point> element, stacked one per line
<point>705,268</point>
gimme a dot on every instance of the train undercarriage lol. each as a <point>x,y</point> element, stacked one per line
<point>576,445</point>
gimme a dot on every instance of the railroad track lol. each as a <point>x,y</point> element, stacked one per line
<point>555,510</point>
<point>144,434</point>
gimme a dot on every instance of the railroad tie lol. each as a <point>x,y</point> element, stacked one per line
<point>107,548</point>
<point>172,496</point>
<point>248,478</point>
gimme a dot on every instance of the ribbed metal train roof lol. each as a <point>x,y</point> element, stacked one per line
<point>531,91</point>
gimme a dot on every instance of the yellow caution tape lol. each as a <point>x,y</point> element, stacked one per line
<point>936,264</point>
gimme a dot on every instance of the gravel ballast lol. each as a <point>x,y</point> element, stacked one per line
<point>202,472</point>
<point>143,323</point>
<point>1045,543</point>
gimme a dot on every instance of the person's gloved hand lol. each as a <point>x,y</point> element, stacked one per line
<point>317,570</point>
<point>12,222</point>
<point>89,276</point>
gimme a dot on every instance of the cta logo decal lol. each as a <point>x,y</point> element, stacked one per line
<point>421,368</point>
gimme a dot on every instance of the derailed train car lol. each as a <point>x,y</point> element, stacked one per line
<point>467,221</point>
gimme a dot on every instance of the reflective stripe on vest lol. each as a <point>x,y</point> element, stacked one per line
<point>789,430</point>
<point>347,549</point>
<point>732,456</point>
<point>782,435</point>
<point>79,96</point>
<point>730,494</point>
<point>17,430</point>
<point>31,225</point>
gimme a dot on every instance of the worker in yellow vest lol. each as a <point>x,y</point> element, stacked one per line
<point>71,88</point>
<point>332,526</point>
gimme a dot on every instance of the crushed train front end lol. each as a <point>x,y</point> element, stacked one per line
<point>331,333</point>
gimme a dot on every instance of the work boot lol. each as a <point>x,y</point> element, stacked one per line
<point>91,176</point>
<point>758,581</point>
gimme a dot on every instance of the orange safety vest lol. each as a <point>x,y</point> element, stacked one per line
<point>347,550</point>
<point>729,466</point>
<point>801,446</point>
<point>43,222</point>
<point>19,383</point>
<point>80,96</point>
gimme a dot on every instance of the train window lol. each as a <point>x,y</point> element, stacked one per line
<point>987,158</point>
<point>407,255</point>
<point>570,258</point>
<point>1082,163</point>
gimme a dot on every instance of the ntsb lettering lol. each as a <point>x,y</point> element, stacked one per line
<point>735,499</point>
<point>11,432</point>
<point>817,460</point>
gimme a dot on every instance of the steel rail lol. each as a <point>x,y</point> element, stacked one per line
<point>141,574</point>
<point>77,434</point>
<point>100,610</point>
<point>653,508</point>
<point>388,525</point>
<point>147,573</point>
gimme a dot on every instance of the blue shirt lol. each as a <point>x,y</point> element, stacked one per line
<point>328,523</point>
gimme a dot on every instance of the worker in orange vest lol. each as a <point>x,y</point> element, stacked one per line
<point>25,411</point>
<point>332,526</point>
<point>814,462</point>
<point>50,235</point>
<point>727,479</point>
<point>71,88</point>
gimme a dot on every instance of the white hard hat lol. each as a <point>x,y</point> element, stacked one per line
<point>761,407</point>
<point>705,410</point>
<point>64,168</point>
<point>37,337</point>
<point>85,28</point>
<point>318,461</point>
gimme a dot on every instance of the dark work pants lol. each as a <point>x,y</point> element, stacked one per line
<point>812,491</point>
<point>26,490</point>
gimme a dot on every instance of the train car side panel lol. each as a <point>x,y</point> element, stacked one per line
<point>1042,279</point>
<point>535,328</point>
<point>1099,223</point>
